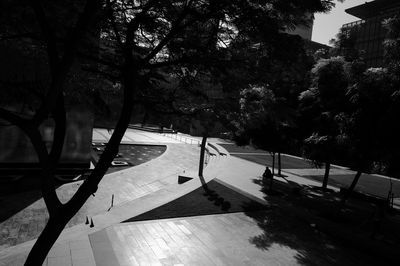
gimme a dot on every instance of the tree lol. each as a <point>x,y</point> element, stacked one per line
<point>322,105</point>
<point>265,120</point>
<point>368,128</point>
<point>392,59</point>
<point>345,44</point>
<point>268,106</point>
<point>364,127</point>
<point>136,39</point>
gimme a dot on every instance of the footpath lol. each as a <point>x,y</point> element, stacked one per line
<point>155,183</point>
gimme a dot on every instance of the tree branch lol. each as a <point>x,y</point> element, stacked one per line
<point>176,27</point>
<point>49,194</point>
<point>133,25</point>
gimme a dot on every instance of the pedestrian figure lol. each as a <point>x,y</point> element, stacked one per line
<point>267,175</point>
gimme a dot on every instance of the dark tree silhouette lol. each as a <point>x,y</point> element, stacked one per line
<point>135,39</point>
<point>323,104</point>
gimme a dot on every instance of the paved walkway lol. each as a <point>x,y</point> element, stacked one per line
<point>223,239</point>
<point>137,190</point>
<point>226,239</point>
<point>126,185</point>
<point>133,136</point>
<point>301,171</point>
<point>186,241</point>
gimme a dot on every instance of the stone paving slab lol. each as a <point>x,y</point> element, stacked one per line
<point>125,185</point>
<point>234,171</point>
<point>114,216</point>
<point>181,160</point>
<point>223,239</point>
<point>242,174</point>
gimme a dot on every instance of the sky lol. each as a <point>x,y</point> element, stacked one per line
<point>326,26</point>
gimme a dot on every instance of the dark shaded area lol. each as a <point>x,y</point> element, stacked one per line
<point>132,154</point>
<point>216,199</point>
<point>17,195</point>
<point>281,226</point>
<point>312,222</point>
<point>366,184</point>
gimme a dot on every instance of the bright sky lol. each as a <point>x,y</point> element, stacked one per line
<point>326,26</point>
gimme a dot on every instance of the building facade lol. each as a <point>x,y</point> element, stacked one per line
<point>369,31</point>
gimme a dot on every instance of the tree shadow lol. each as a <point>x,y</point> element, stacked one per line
<point>293,222</point>
<point>217,200</point>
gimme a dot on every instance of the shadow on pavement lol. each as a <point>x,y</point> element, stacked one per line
<point>215,199</point>
<point>310,222</point>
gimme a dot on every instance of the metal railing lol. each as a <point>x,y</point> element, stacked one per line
<point>182,138</point>
<point>352,24</point>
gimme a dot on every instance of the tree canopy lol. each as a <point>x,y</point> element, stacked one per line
<point>132,46</point>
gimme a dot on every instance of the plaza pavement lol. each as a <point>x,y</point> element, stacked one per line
<point>150,185</point>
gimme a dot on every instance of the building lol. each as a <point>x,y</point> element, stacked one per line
<point>369,31</point>
<point>24,79</point>
<point>304,31</point>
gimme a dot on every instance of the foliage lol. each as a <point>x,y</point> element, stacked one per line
<point>345,44</point>
<point>140,43</point>
<point>370,117</point>
<point>392,42</point>
<point>264,119</point>
<point>321,105</point>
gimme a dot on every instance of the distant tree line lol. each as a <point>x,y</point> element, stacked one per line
<point>332,110</point>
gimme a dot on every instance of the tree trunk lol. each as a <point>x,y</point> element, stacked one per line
<point>351,188</point>
<point>279,164</point>
<point>202,153</point>
<point>46,240</point>
<point>60,217</point>
<point>273,163</point>
<point>326,175</point>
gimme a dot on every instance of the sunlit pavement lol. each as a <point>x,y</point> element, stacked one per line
<point>300,171</point>
<point>123,186</point>
<point>166,242</point>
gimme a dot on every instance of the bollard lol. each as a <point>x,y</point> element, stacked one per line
<point>87,220</point>
<point>91,222</point>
